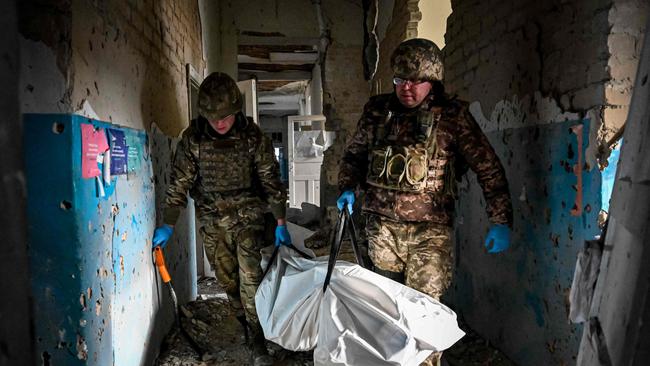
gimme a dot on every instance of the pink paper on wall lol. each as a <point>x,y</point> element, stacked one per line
<point>93,143</point>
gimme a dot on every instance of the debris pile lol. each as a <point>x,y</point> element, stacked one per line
<point>214,328</point>
<point>472,350</point>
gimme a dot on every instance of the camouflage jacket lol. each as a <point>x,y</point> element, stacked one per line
<point>459,143</point>
<point>227,174</point>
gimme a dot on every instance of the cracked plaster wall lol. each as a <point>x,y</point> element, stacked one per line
<point>532,70</point>
<point>628,21</point>
<point>123,63</point>
<point>129,60</point>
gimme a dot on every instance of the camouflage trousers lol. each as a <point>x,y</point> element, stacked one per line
<point>232,245</point>
<point>421,251</point>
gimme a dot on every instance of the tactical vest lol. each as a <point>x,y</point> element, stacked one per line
<point>409,168</point>
<point>225,164</point>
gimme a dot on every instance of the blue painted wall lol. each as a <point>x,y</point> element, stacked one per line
<point>97,296</point>
<point>518,299</point>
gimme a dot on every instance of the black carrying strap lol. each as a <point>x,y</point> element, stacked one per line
<point>275,254</point>
<point>344,222</point>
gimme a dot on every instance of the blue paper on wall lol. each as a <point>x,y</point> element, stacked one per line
<point>135,144</point>
<point>119,152</point>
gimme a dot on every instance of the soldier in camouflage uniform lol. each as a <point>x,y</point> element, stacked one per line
<point>406,153</point>
<point>226,164</point>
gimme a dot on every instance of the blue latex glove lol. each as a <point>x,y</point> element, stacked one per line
<point>161,235</point>
<point>282,236</point>
<point>346,197</point>
<point>499,237</point>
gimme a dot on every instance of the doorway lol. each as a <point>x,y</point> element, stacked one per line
<point>307,142</point>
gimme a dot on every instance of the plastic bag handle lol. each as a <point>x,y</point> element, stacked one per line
<point>344,222</point>
<point>275,254</point>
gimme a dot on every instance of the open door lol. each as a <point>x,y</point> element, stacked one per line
<point>193,80</point>
<point>248,89</point>
<point>307,142</point>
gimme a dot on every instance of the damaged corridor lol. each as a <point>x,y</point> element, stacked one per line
<point>559,88</point>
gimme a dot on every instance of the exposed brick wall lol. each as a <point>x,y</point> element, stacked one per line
<point>130,57</point>
<point>628,20</point>
<point>496,49</point>
<point>527,67</point>
<point>565,50</point>
<point>344,95</point>
<point>403,26</point>
<point>347,92</point>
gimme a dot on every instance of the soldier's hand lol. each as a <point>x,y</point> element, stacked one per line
<point>498,238</point>
<point>282,236</point>
<point>346,198</point>
<point>161,235</point>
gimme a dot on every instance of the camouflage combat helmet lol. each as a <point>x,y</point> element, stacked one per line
<point>417,59</point>
<point>219,97</point>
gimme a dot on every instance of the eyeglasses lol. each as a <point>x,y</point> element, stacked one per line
<point>403,82</point>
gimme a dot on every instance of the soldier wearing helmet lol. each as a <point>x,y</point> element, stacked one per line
<point>408,150</point>
<point>227,165</point>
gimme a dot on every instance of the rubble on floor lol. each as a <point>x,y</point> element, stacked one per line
<point>308,215</point>
<point>210,322</point>
<point>319,243</point>
<point>213,326</point>
<point>472,350</point>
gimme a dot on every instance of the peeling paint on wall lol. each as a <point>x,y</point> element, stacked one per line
<point>576,210</point>
<point>556,199</point>
<point>537,110</point>
<point>81,262</point>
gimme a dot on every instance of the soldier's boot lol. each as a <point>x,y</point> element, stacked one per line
<point>259,353</point>
<point>244,324</point>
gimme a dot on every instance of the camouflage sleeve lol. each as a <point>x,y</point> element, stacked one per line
<point>268,171</point>
<point>354,163</point>
<point>479,154</point>
<point>181,180</point>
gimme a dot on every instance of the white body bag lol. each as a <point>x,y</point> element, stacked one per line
<point>361,319</point>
